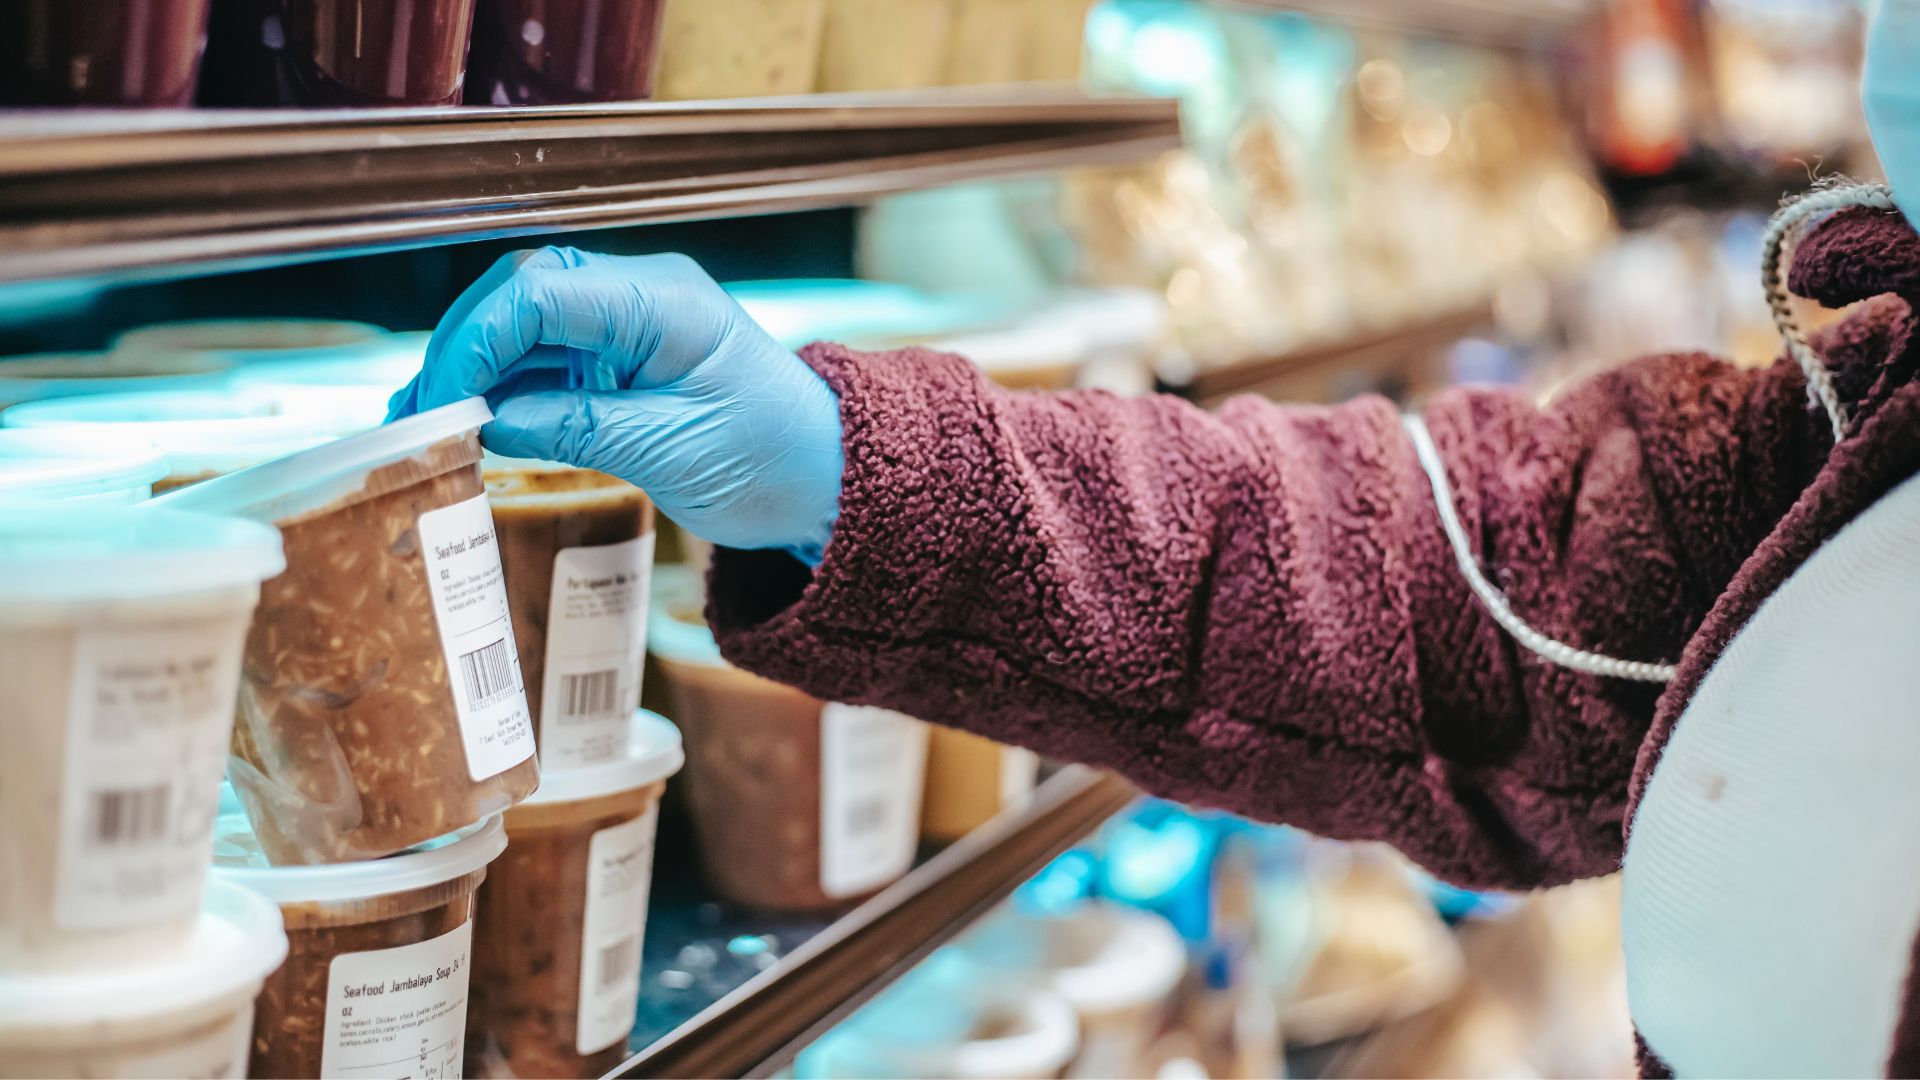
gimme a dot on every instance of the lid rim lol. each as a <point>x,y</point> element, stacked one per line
<point>471,848</point>
<point>655,754</point>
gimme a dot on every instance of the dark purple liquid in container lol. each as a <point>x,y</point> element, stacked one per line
<point>100,52</point>
<point>337,52</point>
<point>542,52</point>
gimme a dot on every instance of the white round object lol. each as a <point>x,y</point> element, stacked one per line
<point>201,432</point>
<point>654,753</point>
<point>237,860</point>
<point>65,466</point>
<point>290,486</point>
<point>238,941</point>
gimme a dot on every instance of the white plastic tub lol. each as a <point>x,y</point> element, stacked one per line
<point>189,1013</point>
<point>382,703</point>
<point>120,638</point>
<point>57,375</point>
<point>347,391</point>
<point>563,916</point>
<point>203,433</point>
<point>67,467</point>
<point>379,955</point>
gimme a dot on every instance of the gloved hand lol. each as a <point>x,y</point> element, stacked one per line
<point>644,368</point>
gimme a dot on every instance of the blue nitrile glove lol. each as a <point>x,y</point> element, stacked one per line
<point>644,368</point>
<point>1890,89</point>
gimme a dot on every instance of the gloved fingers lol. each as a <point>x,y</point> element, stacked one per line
<point>622,433</point>
<point>571,307</point>
<point>407,401</point>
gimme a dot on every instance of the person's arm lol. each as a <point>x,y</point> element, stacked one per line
<point>1258,610</point>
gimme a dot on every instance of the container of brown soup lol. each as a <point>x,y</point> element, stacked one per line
<point>563,915</point>
<point>381,702</point>
<point>798,804</point>
<point>577,547</point>
<point>378,955</point>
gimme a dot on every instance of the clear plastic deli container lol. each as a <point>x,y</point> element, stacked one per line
<point>381,703</point>
<point>74,467</point>
<point>186,1013</point>
<point>101,53</point>
<point>798,805</point>
<point>969,780</point>
<point>556,952</point>
<point>983,45</point>
<point>739,48</point>
<point>577,547</point>
<point>120,637</point>
<point>1118,967</point>
<point>379,955</point>
<point>531,52</point>
<point>346,390</point>
<point>884,44</point>
<point>234,342</point>
<point>203,433</point>
<point>53,375</point>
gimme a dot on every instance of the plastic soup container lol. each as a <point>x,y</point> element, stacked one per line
<point>381,703</point>
<point>563,914</point>
<point>101,52</point>
<point>233,342</point>
<point>532,52</point>
<point>203,434</point>
<point>969,780</point>
<point>884,44</point>
<point>378,956</point>
<point>120,637</point>
<point>344,390</point>
<point>798,805</point>
<point>38,467</point>
<point>186,1013</point>
<point>336,53</point>
<point>739,48</point>
<point>1117,966</point>
<point>54,375</point>
<point>577,547</point>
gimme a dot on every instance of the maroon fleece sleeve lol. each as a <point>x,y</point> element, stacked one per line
<point>1257,610</point>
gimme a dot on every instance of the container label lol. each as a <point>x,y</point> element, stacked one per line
<point>872,765</point>
<point>399,1012</point>
<point>596,638</point>
<point>470,601</point>
<point>619,868</point>
<point>1019,770</point>
<point>149,718</point>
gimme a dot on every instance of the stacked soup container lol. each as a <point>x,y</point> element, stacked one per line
<point>370,633</point>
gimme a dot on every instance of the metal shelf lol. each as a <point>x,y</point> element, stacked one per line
<point>760,1025</point>
<point>131,194</point>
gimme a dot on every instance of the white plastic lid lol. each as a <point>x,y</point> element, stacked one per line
<point>71,553</point>
<point>237,860</point>
<point>287,487</point>
<point>1102,957</point>
<point>389,360</point>
<point>246,340</point>
<point>653,755</point>
<point>953,1019</point>
<point>1118,318</point>
<point>238,941</point>
<point>199,431</point>
<point>46,466</point>
<point>51,375</point>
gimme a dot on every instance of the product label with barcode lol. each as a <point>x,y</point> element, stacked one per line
<point>398,1012</point>
<point>596,637</point>
<point>470,601</point>
<point>619,866</point>
<point>149,716</point>
<point>872,764</point>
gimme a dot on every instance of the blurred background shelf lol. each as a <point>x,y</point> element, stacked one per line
<point>163,194</point>
<point>1400,361</point>
<point>1486,22</point>
<point>731,993</point>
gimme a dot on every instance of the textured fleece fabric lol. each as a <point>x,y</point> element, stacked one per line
<point>1257,610</point>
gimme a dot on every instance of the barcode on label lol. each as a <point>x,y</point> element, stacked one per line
<point>487,672</point>
<point>128,817</point>
<point>619,962</point>
<point>590,694</point>
<point>866,816</point>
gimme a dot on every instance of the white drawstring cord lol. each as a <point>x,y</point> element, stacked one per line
<point>1782,234</point>
<point>1549,649</point>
